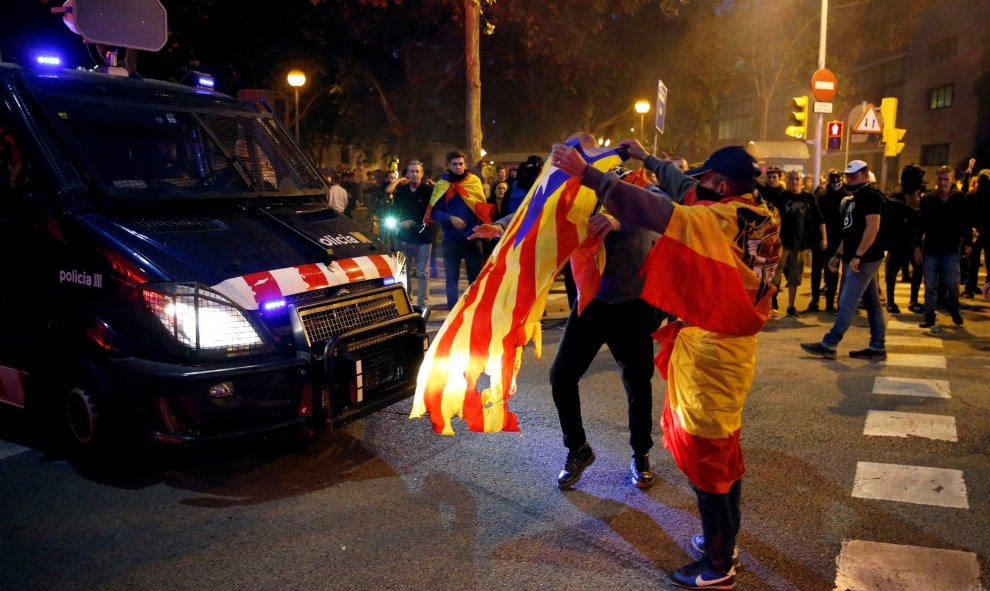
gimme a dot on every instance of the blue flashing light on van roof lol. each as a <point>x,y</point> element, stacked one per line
<point>48,60</point>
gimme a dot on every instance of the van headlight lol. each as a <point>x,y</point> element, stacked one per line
<point>202,319</point>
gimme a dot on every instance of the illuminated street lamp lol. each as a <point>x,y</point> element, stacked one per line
<point>296,79</point>
<point>642,107</point>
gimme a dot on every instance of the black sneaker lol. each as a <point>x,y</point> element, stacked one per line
<point>699,575</point>
<point>957,318</point>
<point>928,322</point>
<point>698,543</point>
<point>792,311</point>
<point>868,353</point>
<point>893,309</point>
<point>818,350</point>
<point>830,309</point>
<point>812,307</point>
<point>577,461</point>
<point>916,308</point>
<point>642,476</point>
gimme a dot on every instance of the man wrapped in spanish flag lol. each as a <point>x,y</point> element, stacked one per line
<point>712,268</point>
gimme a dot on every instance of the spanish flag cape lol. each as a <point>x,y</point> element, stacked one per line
<point>726,253</point>
<point>469,189</point>
<point>471,366</point>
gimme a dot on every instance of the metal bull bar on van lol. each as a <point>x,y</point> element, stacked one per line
<point>364,350</point>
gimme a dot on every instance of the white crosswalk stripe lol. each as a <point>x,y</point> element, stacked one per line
<point>906,341</point>
<point>883,423</point>
<point>911,387</point>
<point>872,566</point>
<point>915,360</point>
<point>868,566</point>
<point>921,485</point>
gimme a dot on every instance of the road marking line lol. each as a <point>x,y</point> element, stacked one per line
<point>873,566</point>
<point>915,360</point>
<point>912,387</point>
<point>8,449</point>
<point>905,341</point>
<point>893,323</point>
<point>884,423</point>
<point>921,485</point>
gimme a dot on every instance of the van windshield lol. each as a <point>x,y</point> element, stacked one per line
<point>159,142</point>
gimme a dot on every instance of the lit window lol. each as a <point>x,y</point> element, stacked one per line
<point>940,98</point>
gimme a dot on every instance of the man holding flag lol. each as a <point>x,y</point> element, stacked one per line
<point>712,268</point>
<point>458,203</point>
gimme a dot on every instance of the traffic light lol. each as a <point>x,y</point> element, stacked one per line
<point>892,144</point>
<point>798,118</point>
<point>834,135</point>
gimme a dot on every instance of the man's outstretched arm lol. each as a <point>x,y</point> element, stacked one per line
<point>626,202</point>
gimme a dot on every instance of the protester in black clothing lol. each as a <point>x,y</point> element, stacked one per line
<point>943,228</point>
<point>773,191</point>
<point>830,206</point>
<point>801,229</point>
<point>900,223</point>
<point>978,202</point>
<point>962,185</point>
<point>862,256</point>
<point>618,318</point>
<point>411,195</point>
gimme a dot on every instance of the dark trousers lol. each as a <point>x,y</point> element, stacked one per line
<point>627,330</point>
<point>454,251</point>
<point>818,263</point>
<point>980,248</point>
<point>819,270</point>
<point>898,260</point>
<point>569,285</point>
<point>719,524</point>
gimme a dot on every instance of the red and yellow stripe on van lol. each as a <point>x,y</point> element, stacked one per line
<point>249,291</point>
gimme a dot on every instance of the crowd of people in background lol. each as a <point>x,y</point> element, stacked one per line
<point>392,204</point>
<point>933,238</point>
<point>936,237</point>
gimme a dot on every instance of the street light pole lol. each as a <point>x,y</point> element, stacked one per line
<point>296,89</point>
<point>822,38</point>
<point>642,107</point>
<point>296,79</point>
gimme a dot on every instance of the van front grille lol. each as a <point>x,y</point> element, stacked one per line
<point>322,322</point>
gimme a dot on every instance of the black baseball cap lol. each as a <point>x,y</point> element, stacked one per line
<point>731,161</point>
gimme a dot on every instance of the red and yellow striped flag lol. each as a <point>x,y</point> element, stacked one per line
<point>730,251</point>
<point>471,366</point>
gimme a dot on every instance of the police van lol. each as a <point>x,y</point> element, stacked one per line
<point>171,267</point>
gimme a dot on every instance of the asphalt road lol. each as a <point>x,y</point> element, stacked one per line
<point>385,503</point>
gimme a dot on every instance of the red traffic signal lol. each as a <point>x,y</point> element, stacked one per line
<point>834,135</point>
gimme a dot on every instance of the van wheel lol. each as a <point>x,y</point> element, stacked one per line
<point>91,410</point>
<point>82,415</point>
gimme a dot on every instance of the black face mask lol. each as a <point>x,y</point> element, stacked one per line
<point>706,194</point>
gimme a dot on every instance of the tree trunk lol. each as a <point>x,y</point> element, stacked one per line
<point>472,63</point>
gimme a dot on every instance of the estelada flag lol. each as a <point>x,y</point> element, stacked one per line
<point>470,190</point>
<point>471,366</point>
